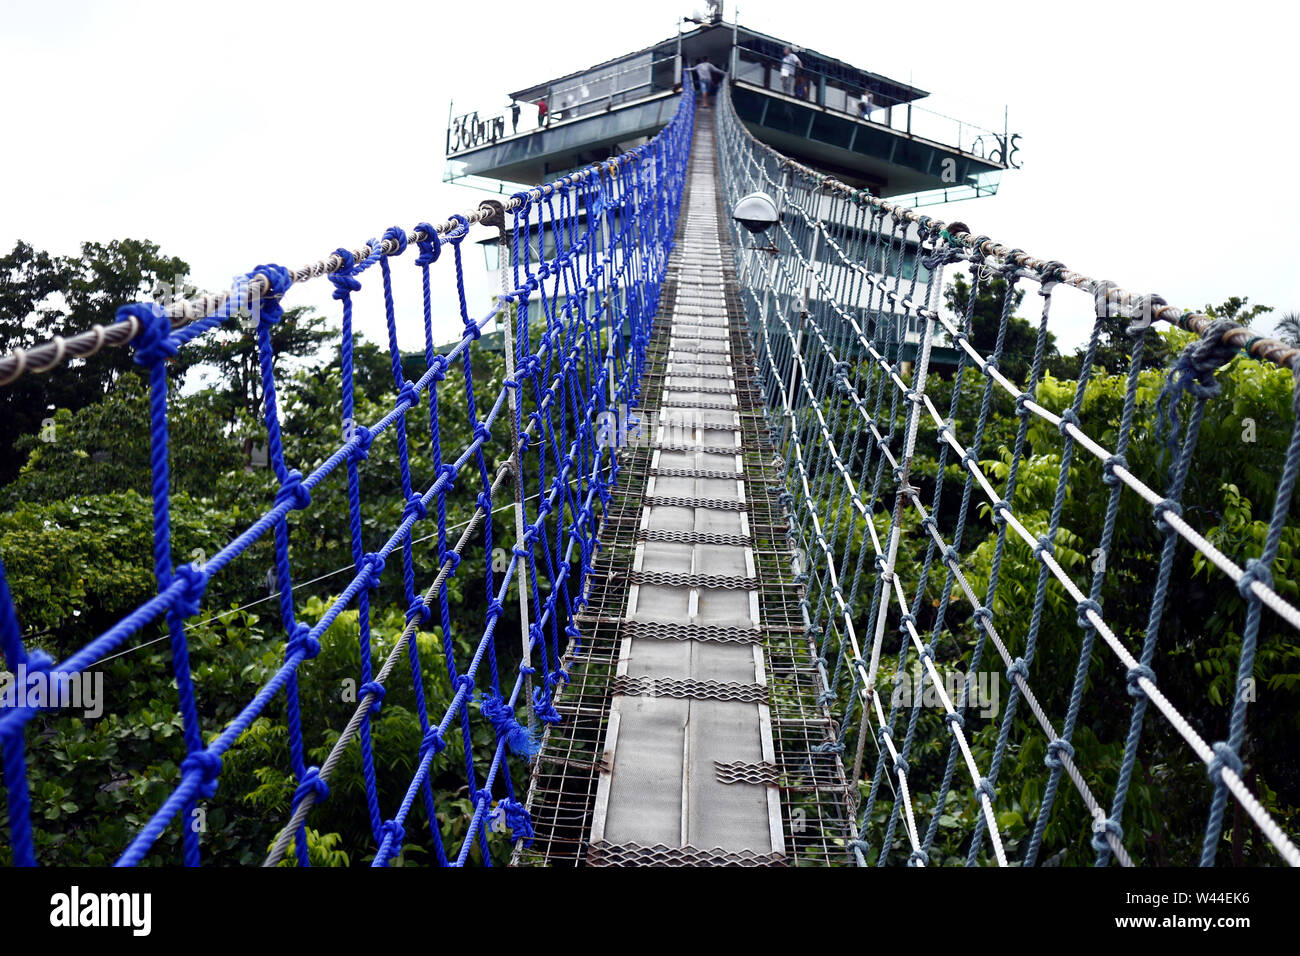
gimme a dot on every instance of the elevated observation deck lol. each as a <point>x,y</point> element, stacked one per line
<point>865,128</point>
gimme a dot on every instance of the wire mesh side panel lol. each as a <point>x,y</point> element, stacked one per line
<point>843,299</point>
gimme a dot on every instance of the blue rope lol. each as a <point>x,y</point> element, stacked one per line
<point>590,253</point>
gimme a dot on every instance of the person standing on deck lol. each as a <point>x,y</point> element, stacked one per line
<point>790,64</point>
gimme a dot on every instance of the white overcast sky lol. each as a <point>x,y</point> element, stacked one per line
<point>1159,139</point>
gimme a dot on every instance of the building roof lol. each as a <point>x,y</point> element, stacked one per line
<point>761,43</point>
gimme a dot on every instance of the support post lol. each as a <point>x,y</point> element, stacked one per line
<point>904,475</point>
<point>505,266</point>
<point>805,297</point>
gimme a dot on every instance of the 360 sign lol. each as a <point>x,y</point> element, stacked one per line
<point>469,131</point>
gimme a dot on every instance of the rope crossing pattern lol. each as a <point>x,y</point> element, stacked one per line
<point>587,258</point>
<point>848,297</point>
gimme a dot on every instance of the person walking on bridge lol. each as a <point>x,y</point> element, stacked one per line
<point>704,76</point>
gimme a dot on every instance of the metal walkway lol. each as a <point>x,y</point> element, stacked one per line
<point>691,721</point>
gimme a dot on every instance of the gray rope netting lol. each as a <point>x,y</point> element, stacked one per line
<point>842,296</point>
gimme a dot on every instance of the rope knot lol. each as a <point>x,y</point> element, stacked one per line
<point>418,609</point>
<point>1256,570</point>
<point>408,394</point>
<point>378,690</point>
<point>1083,607</point>
<point>312,783</point>
<point>430,246</point>
<point>345,283</point>
<point>415,506</point>
<point>1193,371</point>
<point>432,741</point>
<point>373,564</point>
<point>361,450</point>
<point>1224,757</point>
<point>1100,830</point>
<point>1054,750</point>
<point>457,236</point>
<point>494,610</point>
<point>1000,509</point>
<point>1068,417</point>
<point>543,709</point>
<point>983,617</point>
<point>397,235</point>
<point>267,306</point>
<point>1050,274</point>
<point>1163,507</point>
<point>447,478</point>
<point>1019,668</point>
<point>194,583</point>
<point>1134,675</point>
<point>918,858</point>
<point>986,789</point>
<point>464,683</point>
<point>484,501</point>
<point>207,767</point>
<point>1108,469</point>
<point>453,562</point>
<point>302,641</point>
<point>507,728</point>
<point>154,343</point>
<point>1101,298</point>
<point>393,834</point>
<point>518,820</point>
<point>293,491</point>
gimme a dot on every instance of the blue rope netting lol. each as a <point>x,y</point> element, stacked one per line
<point>588,255</point>
<point>844,317</point>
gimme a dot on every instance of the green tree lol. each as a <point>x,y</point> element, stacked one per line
<point>231,351</point>
<point>1288,329</point>
<point>1238,309</point>
<point>1021,336</point>
<point>43,296</point>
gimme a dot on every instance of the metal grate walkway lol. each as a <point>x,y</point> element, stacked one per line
<point>691,721</point>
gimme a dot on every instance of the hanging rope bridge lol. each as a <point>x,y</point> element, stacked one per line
<point>719,601</point>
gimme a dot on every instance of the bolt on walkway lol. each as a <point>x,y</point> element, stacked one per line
<point>692,732</point>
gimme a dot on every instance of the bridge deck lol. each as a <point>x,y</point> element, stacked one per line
<point>691,717</point>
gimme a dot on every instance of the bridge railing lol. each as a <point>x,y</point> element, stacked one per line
<point>587,255</point>
<point>849,409</point>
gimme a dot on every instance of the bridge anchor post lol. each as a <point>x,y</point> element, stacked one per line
<point>505,318</point>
